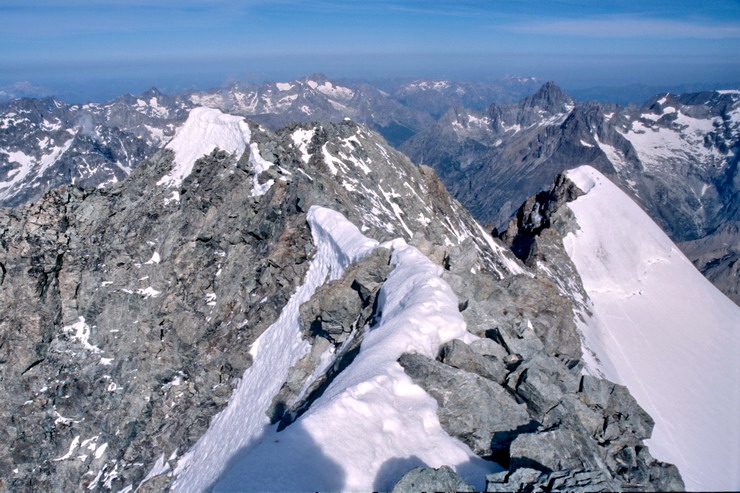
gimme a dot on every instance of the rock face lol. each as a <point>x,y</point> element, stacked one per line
<point>428,479</point>
<point>717,256</point>
<point>128,312</point>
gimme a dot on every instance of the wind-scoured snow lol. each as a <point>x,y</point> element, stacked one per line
<point>660,328</point>
<point>373,423</point>
<point>242,424</point>
<point>205,130</point>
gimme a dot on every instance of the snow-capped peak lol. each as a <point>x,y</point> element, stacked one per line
<point>206,129</point>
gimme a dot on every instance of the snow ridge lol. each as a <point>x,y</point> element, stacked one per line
<point>372,399</point>
<point>241,424</point>
<point>393,420</point>
<point>660,328</point>
<point>205,130</point>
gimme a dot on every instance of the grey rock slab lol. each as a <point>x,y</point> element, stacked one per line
<point>459,355</point>
<point>554,450</point>
<point>424,479</point>
<point>472,408</point>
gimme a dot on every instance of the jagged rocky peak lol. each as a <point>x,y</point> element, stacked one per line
<point>676,155</point>
<point>539,213</point>
<point>550,98</point>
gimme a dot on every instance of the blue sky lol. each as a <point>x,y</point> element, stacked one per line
<point>90,49</point>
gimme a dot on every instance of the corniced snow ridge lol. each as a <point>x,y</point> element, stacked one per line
<point>373,400</point>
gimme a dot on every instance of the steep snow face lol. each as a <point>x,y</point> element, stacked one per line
<point>660,328</point>
<point>373,423</point>
<point>205,130</point>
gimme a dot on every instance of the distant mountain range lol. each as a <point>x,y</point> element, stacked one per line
<point>47,142</point>
<point>675,154</point>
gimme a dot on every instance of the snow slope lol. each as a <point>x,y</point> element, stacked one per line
<point>205,130</point>
<point>373,423</point>
<point>660,328</point>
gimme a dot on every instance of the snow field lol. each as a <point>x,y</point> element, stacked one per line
<point>660,328</point>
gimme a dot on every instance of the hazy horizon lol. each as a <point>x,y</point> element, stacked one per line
<point>95,50</point>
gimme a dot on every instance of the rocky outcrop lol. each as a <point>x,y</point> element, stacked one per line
<point>518,396</point>
<point>429,479</point>
<point>332,313</point>
<point>127,313</point>
<point>337,315</point>
<point>488,419</point>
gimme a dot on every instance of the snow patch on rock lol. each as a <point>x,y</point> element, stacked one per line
<point>206,129</point>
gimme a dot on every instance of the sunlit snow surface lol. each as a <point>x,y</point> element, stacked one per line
<point>373,423</point>
<point>660,328</point>
<point>205,130</point>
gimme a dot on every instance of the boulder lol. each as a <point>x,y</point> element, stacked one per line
<point>423,479</point>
